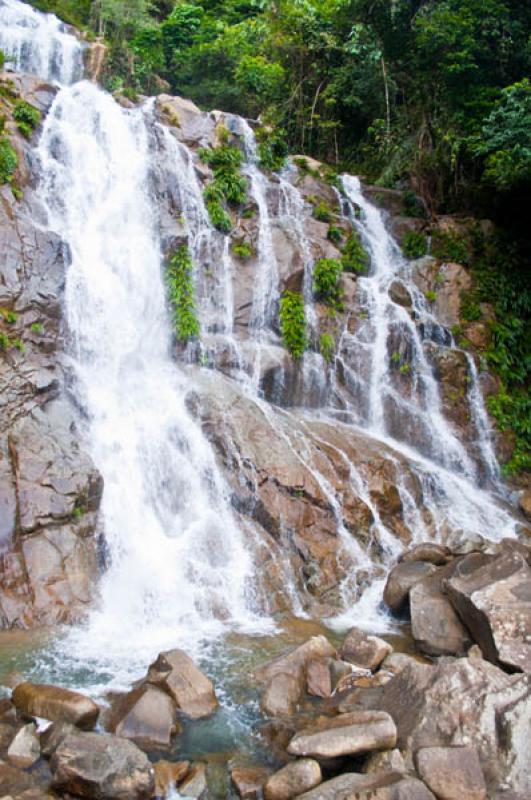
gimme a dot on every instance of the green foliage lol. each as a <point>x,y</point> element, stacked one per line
<point>27,117</point>
<point>430,296</point>
<point>470,310</point>
<point>2,60</point>
<point>37,327</point>
<point>448,246</point>
<point>413,206</point>
<point>8,160</point>
<point>354,257</point>
<point>327,346</point>
<point>326,281</point>
<point>512,412</point>
<point>322,212</point>
<point>334,234</point>
<point>414,244</point>
<point>242,250</point>
<point>227,185</point>
<point>179,279</point>
<point>293,323</point>
<point>506,138</point>
<point>272,149</point>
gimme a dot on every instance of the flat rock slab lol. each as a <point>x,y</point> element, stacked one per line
<point>103,767</point>
<point>452,773</point>
<point>192,691</point>
<point>347,734</point>
<point>56,704</point>
<point>293,779</point>
<point>494,602</point>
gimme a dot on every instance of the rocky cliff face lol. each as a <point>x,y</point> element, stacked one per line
<point>49,488</point>
<point>324,502</point>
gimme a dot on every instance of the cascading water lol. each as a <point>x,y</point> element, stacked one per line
<point>39,43</point>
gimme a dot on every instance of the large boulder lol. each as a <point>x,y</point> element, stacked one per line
<point>347,734</point>
<point>191,690</point>
<point>295,661</point>
<point>401,580</point>
<point>293,779</point>
<point>465,701</point>
<point>103,767</point>
<point>435,626</point>
<point>494,601</point>
<point>24,750</point>
<point>281,696</point>
<point>56,704</point>
<point>452,773</point>
<point>377,786</point>
<point>147,716</point>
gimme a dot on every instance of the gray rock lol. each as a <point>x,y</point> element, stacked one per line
<point>51,738</point>
<point>401,580</point>
<point>103,767</point>
<point>494,601</point>
<point>435,626</point>
<point>430,552</point>
<point>293,779</point>
<point>452,773</point>
<point>147,716</point>
<point>347,734</point>
<point>24,750</point>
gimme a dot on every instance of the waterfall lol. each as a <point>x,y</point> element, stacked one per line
<point>39,43</point>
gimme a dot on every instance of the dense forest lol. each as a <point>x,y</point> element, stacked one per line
<point>428,96</point>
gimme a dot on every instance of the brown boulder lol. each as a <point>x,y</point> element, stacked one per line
<point>195,783</point>
<point>249,781</point>
<point>363,650</point>
<point>191,690</point>
<point>295,661</point>
<point>430,552</point>
<point>24,750</point>
<point>401,580</point>
<point>347,734</point>
<point>494,601</point>
<point>452,773</point>
<point>56,704</point>
<point>377,786</point>
<point>103,767</point>
<point>293,779</point>
<point>281,696</point>
<point>319,678</point>
<point>435,626</point>
<point>168,774</point>
<point>147,716</point>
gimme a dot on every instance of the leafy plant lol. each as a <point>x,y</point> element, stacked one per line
<point>179,279</point>
<point>430,296</point>
<point>354,256</point>
<point>27,117</point>
<point>322,211</point>
<point>334,234</point>
<point>219,217</point>
<point>8,160</point>
<point>414,244</point>
<point>227,186</point>
<point>448,246</point>
<point>272,149</point>
<point>293,323</point>
<point>242,249</point>
<point>327,346</point>
<point>326,277</point>
<point>413,206</point>
<point>37,327</point>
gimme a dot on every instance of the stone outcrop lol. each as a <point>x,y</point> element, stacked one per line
<point>147,716</point>
<point>452,773</point>
<point>189,688</point>
<point>56,704</point>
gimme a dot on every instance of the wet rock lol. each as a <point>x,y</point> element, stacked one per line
<point>347,734</point>
<point>56,704</point>
<point>401,580</point>
<point>24,750</point>
<point>400,295</point>
<point>51,738</point>
<point>249,781</point>
<point>430,552</point>
<point>452,773</point>
<point>191,690</point>
<point>449,281</point>
<point>281,696</point>
<point>295,661</point>
<point>293,779</point>
<point>147,716</point>
<point>363,650</point>
<point>465,701</point>
<point>435,626</point>
<point>168,774</point>
<point>190,125</point>
<point>195,783</point>
<point>494,601</point>
<point>103,767</point>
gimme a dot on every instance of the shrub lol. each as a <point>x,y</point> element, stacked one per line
<point>242,249</point>
<point>37,327</point>
<point>8,160</point>
<point>414,244</point>
<point>293,323</point>
<point>302,164</point>
<point>27,117</point>
<point>322,212</point>
<point>219,218</point>
<point>326,275</point>
<point>327,346</point>
<point>413,206</point>
<point>272,149</point>
<point>179,279</point>
<point>228,185</point>
<point>450,247</point>
<point>430,296</point>
<point>334,234</point>
<point>354,257</point>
